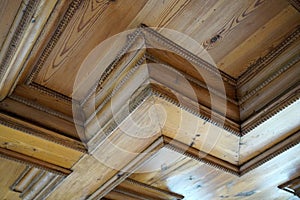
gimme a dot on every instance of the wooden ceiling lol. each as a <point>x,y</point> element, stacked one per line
<point>149,99</point>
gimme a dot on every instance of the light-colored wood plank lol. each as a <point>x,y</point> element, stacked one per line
<point>37,147</point>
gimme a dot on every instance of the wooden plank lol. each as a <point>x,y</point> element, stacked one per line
<point>269,133</point>
<point>266,37</point>
<point>270,153</point>
<point>38,148</point>
<point>193,179</point>
<point>10,171</point>
<point>76,43</point>
<point>8,11</point>
<point>22,158</point>
<point>196,132</point>
<point>200,156</point>
<point>39,115</point>
<point>21,42</point>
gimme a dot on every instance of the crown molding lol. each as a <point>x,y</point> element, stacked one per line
<point>261,63</point>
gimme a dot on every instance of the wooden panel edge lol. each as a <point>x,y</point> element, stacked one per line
<point>271,153</point>
<point>267,59</point>
<point>33,162</point>
<point>38,131</point>
<point>200,156</point>
<point>9,73</point>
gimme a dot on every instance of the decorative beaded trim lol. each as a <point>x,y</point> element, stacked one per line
<point>54,39</point>
<point>18,34</point>
<point>270,79</point>
<point>196,113</point>
<point>130,41</point>
<point>290,98</point>
<point>41,108</point>
<point>193,80</point>
<point>263,62</point>
<point>188,55</point>
<point>212,164</point>
<point>273,155</point>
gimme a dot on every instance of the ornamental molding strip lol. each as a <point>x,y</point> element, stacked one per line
<point>34,183</point>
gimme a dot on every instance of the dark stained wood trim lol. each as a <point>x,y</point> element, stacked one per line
<point>36,184</point>
<point>33,162</point>
<point>292,186</point>
<point>271,153</point>
<point>295,4</point>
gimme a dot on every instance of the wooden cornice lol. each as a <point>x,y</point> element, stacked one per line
<point>19,43</point>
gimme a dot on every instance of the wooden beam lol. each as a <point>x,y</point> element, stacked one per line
<point>270,153</point>
<point>18,157</point>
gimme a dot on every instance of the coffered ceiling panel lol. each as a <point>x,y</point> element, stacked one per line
<point>149,99</point>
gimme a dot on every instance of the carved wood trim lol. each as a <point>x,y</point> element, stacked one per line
<point>187,54</point>
<point>50,92</point>
<point>33,162</point>
<point>271,78</point>
<point>295,4</point>
<point>41,108</point>
<point>204,113</point>
<point>74,5</point>
<point>235,128</point>
<point>238,170</point>
<point>35,183</point>
<point>200,156</point>
<point>261,63</point>
<point>271,109</point>
<point>127,170</point>
<point>21,23</point>
<point>192,79</point>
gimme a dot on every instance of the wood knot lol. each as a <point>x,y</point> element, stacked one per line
<point>215,38</point>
